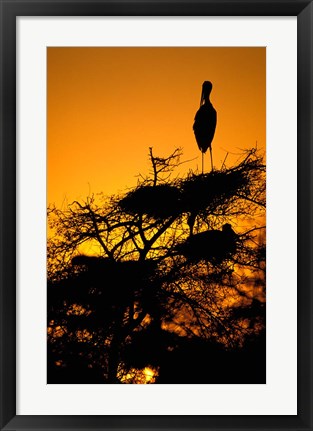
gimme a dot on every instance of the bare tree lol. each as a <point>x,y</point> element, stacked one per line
<point>177,262</point>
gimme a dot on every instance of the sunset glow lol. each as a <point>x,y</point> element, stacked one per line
<point>155,249</point>
<point>107,106</point>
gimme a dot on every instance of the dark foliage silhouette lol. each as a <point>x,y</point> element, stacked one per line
<point>173,287</point>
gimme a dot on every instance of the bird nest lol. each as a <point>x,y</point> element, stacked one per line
<point>195,193</point>
<point>202,191</point>
<point>159,201</point>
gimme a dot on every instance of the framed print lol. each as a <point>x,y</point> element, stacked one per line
<point>134,250</point>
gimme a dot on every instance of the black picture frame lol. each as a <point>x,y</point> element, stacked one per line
<point>9,10</point>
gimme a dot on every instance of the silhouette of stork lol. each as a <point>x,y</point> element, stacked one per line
<point>212,245</point>
<point>205,121</point>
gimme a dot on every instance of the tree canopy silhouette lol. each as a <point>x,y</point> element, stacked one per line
<point>177,265</point>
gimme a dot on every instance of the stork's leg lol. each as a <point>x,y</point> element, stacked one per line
<point>202,161</point>
<point>211,159</point>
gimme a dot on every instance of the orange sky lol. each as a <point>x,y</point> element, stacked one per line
<point>107,106</point>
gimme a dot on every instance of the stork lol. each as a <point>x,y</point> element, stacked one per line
<point>205,122</point>
<point>212,245</point>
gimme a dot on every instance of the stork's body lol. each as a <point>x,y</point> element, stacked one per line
<point>204,126</point>
<point>212,245</point>
<point>205,121</point>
